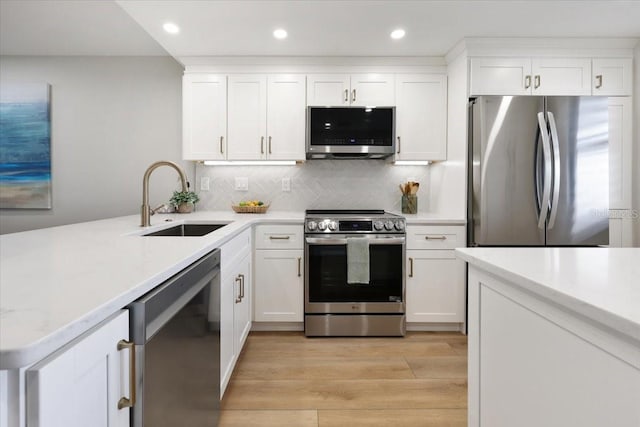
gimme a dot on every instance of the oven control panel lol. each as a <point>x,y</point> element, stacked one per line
<point>391,224</point>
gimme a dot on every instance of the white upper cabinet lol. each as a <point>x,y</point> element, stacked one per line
<point>561,76</point>
<point>335,90</point>
<point>421,117</point>
<point>266,117</point>
<point>204,116</point>
<point>500,76</point>
<point>247,117</point>
<point>612,76</point>
<point>527,76</point>
<point>286,94</point>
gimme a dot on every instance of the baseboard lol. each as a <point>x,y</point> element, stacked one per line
<point>435,327</point>
<point>277,326</point>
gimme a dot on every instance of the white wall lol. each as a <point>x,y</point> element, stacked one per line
<point>111,117</point>
<point>635,188</point>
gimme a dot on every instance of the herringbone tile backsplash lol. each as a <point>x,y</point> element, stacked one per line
<point>316,184</point>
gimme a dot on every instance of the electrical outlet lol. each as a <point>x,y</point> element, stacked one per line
<point>204,183</point>
<point>286,184</point>
<point>242,184</point>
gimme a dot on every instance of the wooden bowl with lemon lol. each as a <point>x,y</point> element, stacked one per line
<point>250,206</point>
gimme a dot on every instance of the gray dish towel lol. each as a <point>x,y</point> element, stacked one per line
<point>357,260</point>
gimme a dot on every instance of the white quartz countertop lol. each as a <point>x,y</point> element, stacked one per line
<point>602,284</point>
<point>57,283</point>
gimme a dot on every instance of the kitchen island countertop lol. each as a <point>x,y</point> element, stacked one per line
<point>601,284</point>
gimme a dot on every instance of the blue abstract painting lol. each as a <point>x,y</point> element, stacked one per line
<point>25,146</point>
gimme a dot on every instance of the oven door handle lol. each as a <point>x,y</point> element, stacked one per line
<point>338,241</point>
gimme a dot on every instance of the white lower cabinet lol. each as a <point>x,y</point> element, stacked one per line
<point>435,282</point>
<point>279,286</point>
<point>235,303</point>
<point>279,274</point>
<point>81,384</point>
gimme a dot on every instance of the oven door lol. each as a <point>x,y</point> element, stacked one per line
<point>326,287</point>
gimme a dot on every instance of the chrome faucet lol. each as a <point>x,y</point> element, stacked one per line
<point>146,209</point>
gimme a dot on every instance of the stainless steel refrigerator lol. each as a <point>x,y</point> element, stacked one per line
<point>538,171</point>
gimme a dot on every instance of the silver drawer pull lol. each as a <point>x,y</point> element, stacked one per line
<point>279,237</point>
<point>124,402</point>
<point>435,237</point>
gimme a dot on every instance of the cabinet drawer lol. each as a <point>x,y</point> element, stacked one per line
<point>279,237</point>
<point>435,237</point>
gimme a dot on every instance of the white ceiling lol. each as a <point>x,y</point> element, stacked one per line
<point>316,27</point>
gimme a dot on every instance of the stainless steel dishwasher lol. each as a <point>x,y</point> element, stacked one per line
<point>176,332</point>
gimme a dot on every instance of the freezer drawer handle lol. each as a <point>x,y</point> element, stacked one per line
<point>435,237</point>
<point>124,402</point>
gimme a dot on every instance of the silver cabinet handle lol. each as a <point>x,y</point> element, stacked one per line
<point>346,95</point>
<point>221,145</point>
<point>299,261</point>
<point>435,237</point>
<point>239,281</point>
<point>241,286</point>
<point>279,237</point>
<point>527,82</point>
<point>262,145</point>
<point>124,402</point>
<point>598,81</point>
<point>353,96</point>
<point>398,145</point>
<point>536,82</point>
<point>269,145</point>
<point>410,267</point>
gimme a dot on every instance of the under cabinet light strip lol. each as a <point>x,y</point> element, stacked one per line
<point>249,162</point>
<point>412,162</point>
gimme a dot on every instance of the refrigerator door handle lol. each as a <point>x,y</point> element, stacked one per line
<point>537,166</point>
<point>556,170</point>
<point>546,188</point>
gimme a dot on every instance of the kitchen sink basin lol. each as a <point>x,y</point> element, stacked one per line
<point>188,230</point>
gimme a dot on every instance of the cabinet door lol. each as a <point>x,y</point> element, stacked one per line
<point>286,117</point>
<point>204,116</point>
<point>247,128</point>
<point>331,90</point>
<point>373,90</point>
<point>242,308</point>
<point>435,286</point>
<point>561,76</point>
<point>612,76</point>
<point>421,117</point>
<point>621,228</point>
<point>81,384</point>
<point>229,291</point>
<point>500,76</point>
<point>279,286</point>
<point>620,156</point>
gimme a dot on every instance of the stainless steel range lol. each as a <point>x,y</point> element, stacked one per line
<point>354,273</point>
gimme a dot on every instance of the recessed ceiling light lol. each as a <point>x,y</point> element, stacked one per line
<point>171,28</point>
<point>397,34</point>
<point>280,34</point>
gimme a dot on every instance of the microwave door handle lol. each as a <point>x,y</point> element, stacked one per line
<point>546,187</point>
<point>555,144</point>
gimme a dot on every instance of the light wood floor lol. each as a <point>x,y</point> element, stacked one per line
<point>285,379</point>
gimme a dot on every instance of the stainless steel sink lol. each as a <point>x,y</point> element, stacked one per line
<point>188,230</point>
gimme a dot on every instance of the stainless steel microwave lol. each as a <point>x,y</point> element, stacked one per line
<point>350,132</point>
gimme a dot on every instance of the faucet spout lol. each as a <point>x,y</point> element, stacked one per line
<point>145,219</point>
